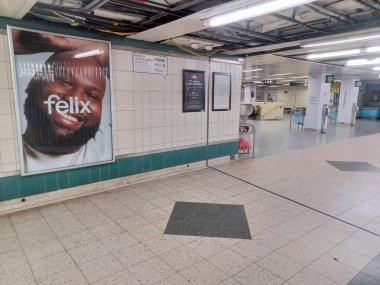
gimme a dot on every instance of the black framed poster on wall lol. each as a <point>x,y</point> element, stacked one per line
<point>193,91</point>
<point>221,91</point>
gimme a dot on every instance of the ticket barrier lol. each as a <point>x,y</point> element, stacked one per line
<point>325,110</point>
<point>354,114</point>
<point>297,117</point>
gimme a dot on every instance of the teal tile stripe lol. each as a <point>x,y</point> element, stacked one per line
<point>14,187</point>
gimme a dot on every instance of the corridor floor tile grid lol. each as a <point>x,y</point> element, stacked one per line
<point>208,220</point>
<point>117,237</point>
<point>354,166</point>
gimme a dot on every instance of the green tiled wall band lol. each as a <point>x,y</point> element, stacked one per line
<point>14,187</point>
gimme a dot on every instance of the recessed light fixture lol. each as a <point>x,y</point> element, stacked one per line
<point>358,62</point>
<point>280,74</point>
<point>253,76</point>
<point>341,41</point>
<point>333,54</point>
<point>252,70</point>
<point>288,80</point>
<point>373,49</point>
<point>253,11</point>
<point>278,78</point>
<point>298,77</point>
<point>376,68</point>
<point>257,82</point>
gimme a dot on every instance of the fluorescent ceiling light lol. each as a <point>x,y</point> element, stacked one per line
<point>276,78</point>
<point>273,86</point>
<point>289,80</point>
<point>286,84</point>
<point>298,77</point>
<point>253,11</point>
<point>280,74</point>
<point>373,49</point>
<point>342,41</point>
<point>358,62</point>
<point>333,54</point>
<point>89,53</point>
<point>254,76</point>
<point>252,70</point>
<point>376,68</point>
<point>257,82</point>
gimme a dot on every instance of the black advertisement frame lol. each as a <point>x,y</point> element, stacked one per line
<point>214,74</point>
<point>186,109</point>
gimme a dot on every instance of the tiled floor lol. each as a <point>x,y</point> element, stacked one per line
<point>117,237</point>
<point>274,137</point>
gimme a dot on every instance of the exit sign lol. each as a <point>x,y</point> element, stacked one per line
<point>269,82</point>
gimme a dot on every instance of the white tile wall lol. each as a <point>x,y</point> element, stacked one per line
<point>147,108</point>
<point>8,142</point>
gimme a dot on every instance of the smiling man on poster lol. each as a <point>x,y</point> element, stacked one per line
<point>67,122</point>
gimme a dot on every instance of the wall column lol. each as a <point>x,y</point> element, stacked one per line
<point>348,96</point>
<point>318,94</point>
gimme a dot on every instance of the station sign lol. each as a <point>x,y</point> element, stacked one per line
<point>358,83</point>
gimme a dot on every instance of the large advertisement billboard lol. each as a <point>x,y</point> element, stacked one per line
<point>63,100</point>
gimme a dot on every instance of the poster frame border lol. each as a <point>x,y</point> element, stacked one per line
<point>214,74</point>
<point>17,103</point>
<point>184,89</point>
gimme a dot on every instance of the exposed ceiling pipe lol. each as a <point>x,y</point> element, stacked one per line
<point>144,7</point>
<point>294,21</point>
<point>369,3</point>
<point>179,7</point>
<point>252,33</point>
<point>329,12</point>
<point>331,18</point>
<point>218,36</point>
<point>92,6</point>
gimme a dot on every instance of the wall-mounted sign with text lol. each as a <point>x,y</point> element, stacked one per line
<point>221,92</point>
<point>148,63</point>
<point>193,91</point>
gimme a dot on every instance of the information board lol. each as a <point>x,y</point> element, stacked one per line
<point>221,92</point>
<point>148,63</point>
<point>193,91</point>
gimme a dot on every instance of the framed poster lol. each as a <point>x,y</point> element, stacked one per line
<point>221,92</point>
<point>62,91</point>
<point>193,91</point>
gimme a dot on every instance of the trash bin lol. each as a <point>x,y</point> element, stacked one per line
<point>246,145</point>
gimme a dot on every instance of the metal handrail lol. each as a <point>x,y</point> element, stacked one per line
<point>276,107</point>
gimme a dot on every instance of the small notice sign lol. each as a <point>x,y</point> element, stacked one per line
<point>148,63</point>
<point>329,78</point>
<point>193,91</point>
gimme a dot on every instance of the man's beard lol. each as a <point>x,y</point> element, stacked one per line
<point>50,140</point>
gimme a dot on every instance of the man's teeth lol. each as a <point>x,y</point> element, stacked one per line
<point>68,117</point>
